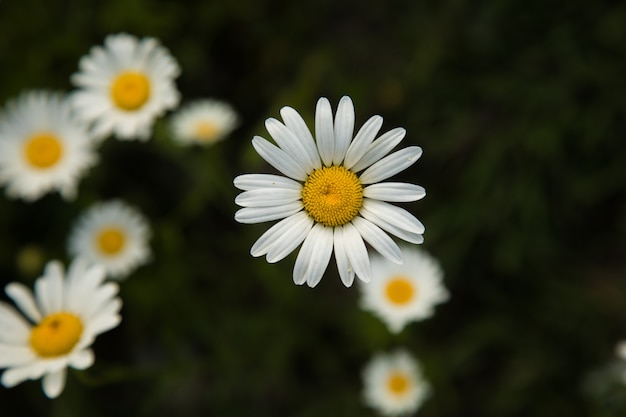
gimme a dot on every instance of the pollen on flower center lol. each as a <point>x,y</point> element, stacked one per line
<point>130,90</point>
<point>43,150</point>
<point>332,195</point>
<point>56,334</point>
<point>400,290</point>
<point>398,383</point>
<point>111,240</point>
<point>206,131</point>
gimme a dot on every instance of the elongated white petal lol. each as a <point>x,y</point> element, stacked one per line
<point>49,288</point>
<point>267,197</point>
<point>379,148</point>
<point>53,383</point>
<point>324,130</point>
<point>314,256</point>
<point>357,252</point>
<point>391,165</point>
<point>15,329</point>
<point>288,141</point>
<point>291,239</point>
<point>82,359</point>
<point>11,355</point>
<point>296,124</point>
<point>279,159</point>
<point>344,128</point>
<point>346,273</point>
<point>394,191</point>
<point>251,215</point>
<point>269,238</point>
<point>24,299</point>
<point>378,239</point>
<point>363,140</point>
<point>394,215</point>
<point>411,237</point>
<point>254,181</point>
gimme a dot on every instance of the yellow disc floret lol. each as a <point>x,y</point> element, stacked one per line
<point>332,195</point>
<point>111,240</point>
<point>400,290</point>
<point>398,383</point>
<point>206,131</point>
<point>130,90</point>
<point>56,334</point>
<point>43,150</point>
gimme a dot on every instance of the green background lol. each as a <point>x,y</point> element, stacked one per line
<point>520,108</point>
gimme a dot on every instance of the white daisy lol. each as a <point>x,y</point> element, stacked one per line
<point>331,197</point>
<point>399,294</point>
<point>204,122</point>
<point>113,235</point>
<point>62,320</point>
<point>42,146</point>
<point>394,384</point>
<point>124,86</point>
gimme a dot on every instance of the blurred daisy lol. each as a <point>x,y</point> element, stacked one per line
<point>331,196</point>
<point>42,146</point>
<point>113,235</point>
<point>204,122</point>
<point>394,385</point>
<point>62,320</point>
<point>124,86</point>
<point>399,294</point>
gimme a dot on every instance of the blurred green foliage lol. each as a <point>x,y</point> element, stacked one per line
<point>520,108</point>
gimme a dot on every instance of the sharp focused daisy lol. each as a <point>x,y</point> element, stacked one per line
<point>331,196</point>
<point>42,146</point>
<point>204,122</point>
<point>394,385</point>
<point>113,235</point>
<point>124,86</point>
<point>61,321</point>
<point>399,294</point>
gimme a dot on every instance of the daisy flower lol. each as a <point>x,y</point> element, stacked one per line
<point>331,197</point>
<point>399,294</point>
<point>42,146</point>
<point>125,85</point>
<point>204,122</point>
<point>113,235</point>
<point>394,384</point>
<point>58,324</point>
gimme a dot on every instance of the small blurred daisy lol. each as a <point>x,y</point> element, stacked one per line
<point>204,122</point>
<point>333,197</point>
<point>394,384</point>
<point>113,235</point>
<point>63,319</point>
<point>399,294</point>
<point>42,146</point>
<point>124,86</point>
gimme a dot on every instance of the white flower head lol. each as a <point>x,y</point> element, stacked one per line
<point>43,147</point>
<point>399,294</point>
<point>125,85</point>
<point>394,384</point>
<point>331,197</point>
<point>59,324</point>
<point>204,122</point>
<point>114,235</point>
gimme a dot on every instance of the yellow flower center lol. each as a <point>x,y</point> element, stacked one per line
<point>398,383</point>
<point>206,131</point>
<point>111,240</point>
<point>332,195</point>
<point>43,150</point>
<point>130,90</point>
<point>400,290</point>
<point>56,335</point>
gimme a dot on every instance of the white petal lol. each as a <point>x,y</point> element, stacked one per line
<point>378,239</point>
<point>254,181</point>
<point>291,239</point>
<point>267,197</point>
<point>24,299</point>
<point>391,165</point>
<point>357,252</point>
<point>49,288</point>
<point>279,159</point>
<point>251,215</point>
<point>296,124</point>
<point>53,383</point>
<point>82,360</point>
<point>268,239</point>
<point>394,215</point>
<point>344,128</point>
<point>379,148</point>
<point>416,238</point>
<point>363,140</point>
<point>346,273</point>
<point>324,131</point>
<point>11,356</point>
<point>15,329</point>
<point>399,192</point>
<point>289,142</point>
<point>314,256</point>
